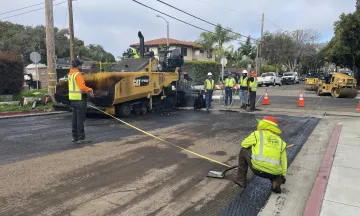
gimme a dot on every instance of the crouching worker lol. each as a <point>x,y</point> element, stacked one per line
<point>265,153</point>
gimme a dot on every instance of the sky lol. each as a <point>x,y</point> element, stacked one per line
<point>114,23</point>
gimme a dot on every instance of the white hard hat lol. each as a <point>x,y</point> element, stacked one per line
<point>209,74</point>
<point>244,71</point>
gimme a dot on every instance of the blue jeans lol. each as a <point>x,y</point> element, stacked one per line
<point>243,96</point>
<point>208,98</point>
<point>228,93</point>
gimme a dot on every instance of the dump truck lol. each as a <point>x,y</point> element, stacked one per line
<point>311,82</point>
<point>136,85</point>
<point>339,85</point>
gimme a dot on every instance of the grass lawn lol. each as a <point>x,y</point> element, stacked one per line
<point>30,93</point>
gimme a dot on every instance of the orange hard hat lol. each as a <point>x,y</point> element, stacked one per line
<point>252,73</point>
<point>271,119</point>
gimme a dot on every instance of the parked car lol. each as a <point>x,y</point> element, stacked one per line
<point>290,77</point>
<point>269,78</point>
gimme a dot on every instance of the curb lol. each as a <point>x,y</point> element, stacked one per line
<point>31,115</point>
<point>314,202</point>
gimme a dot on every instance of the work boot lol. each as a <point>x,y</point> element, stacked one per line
<point>74,140</point>
<point>84,141</point>
<point>283,179</point>
<point>275,187</point>
<point>241,184</point>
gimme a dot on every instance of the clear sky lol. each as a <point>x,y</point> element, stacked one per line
<point>114,23</point>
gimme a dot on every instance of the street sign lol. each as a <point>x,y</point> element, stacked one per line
<point>35,57</point>
<point>249,66</point>
<point>223,61</point>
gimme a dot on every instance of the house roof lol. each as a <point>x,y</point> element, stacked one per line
<point>164,41</point>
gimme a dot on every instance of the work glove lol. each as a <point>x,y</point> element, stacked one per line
<point>91,93</point>
<point>283,179</point>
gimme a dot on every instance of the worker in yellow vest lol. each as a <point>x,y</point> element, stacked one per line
<point>209,86</point>
<point>229,85</point>
<point>77,96</point>
<point>265,153</point>
<point>243,93</point>
<point>252,87</point>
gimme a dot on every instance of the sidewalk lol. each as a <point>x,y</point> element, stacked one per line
<point>340,193</point>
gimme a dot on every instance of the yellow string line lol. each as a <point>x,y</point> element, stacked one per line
<point>52,73</point>
<point>149,134</point>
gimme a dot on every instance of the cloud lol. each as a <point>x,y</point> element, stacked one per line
<point>114,23</point>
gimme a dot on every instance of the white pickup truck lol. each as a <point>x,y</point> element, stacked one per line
<point>269,78</point>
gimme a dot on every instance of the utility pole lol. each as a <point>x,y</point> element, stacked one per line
<point>261,40</point>
<point>71,31</point>
<point>50,48</point>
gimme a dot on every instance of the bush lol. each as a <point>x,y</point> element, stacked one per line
<point>11,73</point>
<point>198,70</point>
<point>269,68</point>
<point>105,66</point>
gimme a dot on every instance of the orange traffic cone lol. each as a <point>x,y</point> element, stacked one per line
<point>301,102</point>
<point>266,99</point>
<point>358,109</point>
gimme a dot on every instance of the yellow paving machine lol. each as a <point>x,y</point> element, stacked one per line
<point>136,85</point>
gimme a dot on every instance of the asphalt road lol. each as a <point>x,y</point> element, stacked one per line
<point>124,172</point>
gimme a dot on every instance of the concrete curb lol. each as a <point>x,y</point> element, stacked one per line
<point>314,203</point>
<point>31,114</point>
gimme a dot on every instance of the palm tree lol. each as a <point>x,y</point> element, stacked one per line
<point>206,42</point>
<point>221,37</point>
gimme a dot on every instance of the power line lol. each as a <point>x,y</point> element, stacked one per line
<point>176,18</point>
<point>22,8</point>
<point>30,11</point>
<point>241,35</point>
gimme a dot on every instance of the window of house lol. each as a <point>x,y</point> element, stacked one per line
<point>184,51</point>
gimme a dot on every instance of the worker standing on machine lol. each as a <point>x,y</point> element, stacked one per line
<point>243,89</point>
<point>265,152</point>
<point>252,86</point>
<point>77,96</point>
<point>229,85</point>
<point>209,86</point>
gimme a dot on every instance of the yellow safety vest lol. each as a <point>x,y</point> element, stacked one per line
<point>243,81</point>
<point>229,82</point>
<point>266,155</point>
<point>74,90</point>
<point>209,85</point>
<point>253,85</point>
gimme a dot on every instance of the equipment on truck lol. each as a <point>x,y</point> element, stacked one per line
<point>136,85</point>
<point>339,85</point>
<point>311,81</point>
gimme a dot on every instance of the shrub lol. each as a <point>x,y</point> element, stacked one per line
<point>11,73</point>
<point>198,70</point>
<point>269,68</point>
<point>105,66</point>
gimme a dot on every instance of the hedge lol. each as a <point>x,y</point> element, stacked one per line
<point>198,70</point>
<point>11,74</point>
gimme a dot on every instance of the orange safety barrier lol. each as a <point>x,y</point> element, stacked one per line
<point>358,108</point>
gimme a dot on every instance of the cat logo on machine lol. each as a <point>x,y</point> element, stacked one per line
<point>141,81</point>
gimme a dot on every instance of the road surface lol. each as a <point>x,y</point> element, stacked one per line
<point>125,172</point>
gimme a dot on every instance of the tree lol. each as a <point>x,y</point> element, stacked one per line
<point>206,42</point>
<point>222,36</point>
<point>247,49</point>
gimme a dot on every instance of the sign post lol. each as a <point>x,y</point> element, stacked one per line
<point>223,62</point>
<point>35,57</point>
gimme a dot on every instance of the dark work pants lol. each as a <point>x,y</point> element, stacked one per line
<point>228,94</point>
<point>78,118</point>
<point>252,99</point>
<point>208,98</point>
<point>245,162</point>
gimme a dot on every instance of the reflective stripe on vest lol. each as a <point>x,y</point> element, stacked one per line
<point>243,82</point>
<point>74,90</point>
<point>260,157</point>
<point>209,86</point>
<point>253,85</point>
<point>229,82</point>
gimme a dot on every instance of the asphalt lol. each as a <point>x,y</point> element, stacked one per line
<point>125,172</point>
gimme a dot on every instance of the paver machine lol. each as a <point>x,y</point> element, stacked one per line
<point>339,85</point>
<point>311,81</point>
<point>136,85</point>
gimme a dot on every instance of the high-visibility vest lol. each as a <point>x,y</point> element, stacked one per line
<point>266,154</point>
<point>243,81</point>
<point>229,82</point>
<point>74,90</point>
<point>253,85</point>
<point>209,85</point>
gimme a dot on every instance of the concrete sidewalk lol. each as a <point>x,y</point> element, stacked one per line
<point>340,193</point>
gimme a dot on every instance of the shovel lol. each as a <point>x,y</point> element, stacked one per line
<point>221,175</point>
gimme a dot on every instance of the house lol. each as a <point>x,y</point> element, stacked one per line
<point>189,50</point>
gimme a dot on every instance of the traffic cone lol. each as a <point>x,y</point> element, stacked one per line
<point>301,102</point>
<point>266,99</point>
<point>358,109</point>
